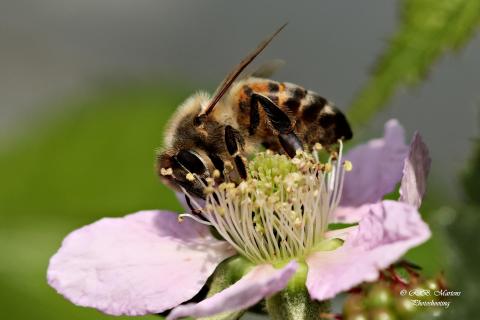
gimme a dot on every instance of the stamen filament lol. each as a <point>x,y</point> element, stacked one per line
<point>283,208</point>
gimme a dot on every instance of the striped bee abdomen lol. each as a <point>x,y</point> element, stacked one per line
<point>316,119</point>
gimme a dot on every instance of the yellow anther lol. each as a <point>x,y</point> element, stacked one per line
<point>243,186</point>
<point>166,171</point>
<point>190,176</point>
<point>216,173</point>
<point>297,223</point>
<point>260,202</point>
<point>232,192</point>
<point>347,165</point>
<point>209,180</point>
<point>317,146</point>
<point>296,161</point>
<point>327,167</point>
<point>208,190</point>
<point>272,200</point>
<point>223,186</point>
<point>293,215</point>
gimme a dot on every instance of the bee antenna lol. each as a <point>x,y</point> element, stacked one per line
<point>228,81</point>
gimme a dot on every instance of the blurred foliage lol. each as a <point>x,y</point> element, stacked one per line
<point>471,177</point>
<point>465,238</point>
<point>428,28</point>
<point>92,162</point>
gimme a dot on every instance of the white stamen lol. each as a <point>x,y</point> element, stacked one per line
<point>283,208</point>
<point>191,216</point>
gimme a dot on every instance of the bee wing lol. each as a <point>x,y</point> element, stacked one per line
<point>228,81</point>
<point>267,69</point>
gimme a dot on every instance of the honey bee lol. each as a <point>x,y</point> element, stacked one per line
<point>212,136</point>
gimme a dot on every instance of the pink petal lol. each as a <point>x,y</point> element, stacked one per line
<point>262,281</point>
<point>415,172</point>
<point>143,263</point>
<point>341,234</point>
<point>377,167</point>
<point>384,235</point>
<point>350,214</point>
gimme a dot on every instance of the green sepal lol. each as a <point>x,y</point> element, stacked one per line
<point>339,226</point>
<point>328,245</point>
<point>226,274</point>
<point>294,303</point>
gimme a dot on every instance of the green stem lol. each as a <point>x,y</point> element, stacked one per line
<point>296,304</point>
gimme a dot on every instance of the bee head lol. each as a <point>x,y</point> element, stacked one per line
<point>183,170</point>
<point>199,119</point>
<point>335,126</point>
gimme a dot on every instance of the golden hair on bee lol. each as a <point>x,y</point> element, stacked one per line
<point>194,104</point>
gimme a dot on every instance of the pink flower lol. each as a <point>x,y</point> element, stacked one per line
<point>148,262</point>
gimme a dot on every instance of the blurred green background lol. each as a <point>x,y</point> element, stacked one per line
<point>88,86</point>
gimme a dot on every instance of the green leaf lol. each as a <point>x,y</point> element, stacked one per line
<point>428,29</point>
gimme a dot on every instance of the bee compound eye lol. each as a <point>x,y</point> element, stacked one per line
<point>191,161</point>
<point>344,130</point>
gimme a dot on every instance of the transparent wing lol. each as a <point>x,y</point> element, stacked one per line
<point>227,82</point>
<point>267,69</point>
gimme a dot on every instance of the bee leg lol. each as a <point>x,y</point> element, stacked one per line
<point>290,143</point>
<point>192,209</point>
<point>281,123</point>
<point>189,172</point>
<point>192,188</point>
<point>235,143</point>
<point>191,162</point>
<point>217,163</point>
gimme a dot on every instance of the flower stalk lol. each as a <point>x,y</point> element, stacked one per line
<point>296,305</point>
<point>294,302</point>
